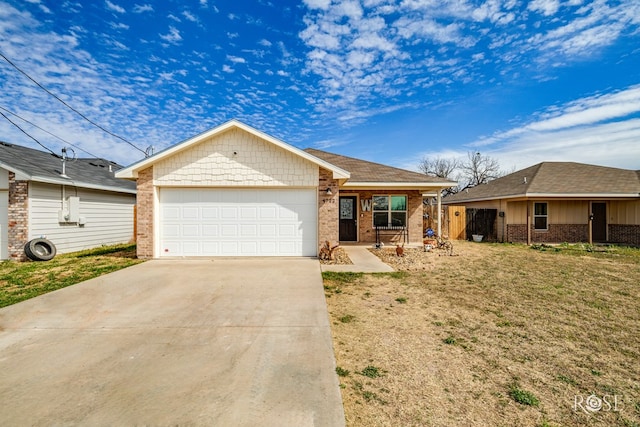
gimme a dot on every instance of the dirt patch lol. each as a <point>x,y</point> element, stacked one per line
<point>340,257</point>
<point>499,335</point>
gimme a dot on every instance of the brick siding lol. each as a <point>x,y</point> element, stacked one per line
<point>624,233</point>
<point>18,218</point>
<point>557,233</point>
<point>144,214</point>
<point>366,231</point>
<point>327,208</point>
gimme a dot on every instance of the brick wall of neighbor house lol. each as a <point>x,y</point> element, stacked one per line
<point>366,231</point>
<point>557,233</point>
<point>18,210</point>
<point>624,233</point>
<point>144,212</point>
<point>327,208</point>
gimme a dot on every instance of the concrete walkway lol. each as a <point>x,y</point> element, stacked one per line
<point>363,261</point>
<point>224,342</point>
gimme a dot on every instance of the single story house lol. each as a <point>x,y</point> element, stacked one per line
<point>555,202</point>
<point>236,191</point>
<point>84,207</point>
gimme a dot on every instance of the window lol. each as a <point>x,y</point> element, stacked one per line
<point>540,216</point>
<point>389,210</point>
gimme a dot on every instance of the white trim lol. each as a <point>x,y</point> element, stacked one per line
<point>131,171</point>
<point>422,186</point>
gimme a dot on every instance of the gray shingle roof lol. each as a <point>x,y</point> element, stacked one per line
<point>364,171</point>
<point>42,166</point>
<point>556,179</point>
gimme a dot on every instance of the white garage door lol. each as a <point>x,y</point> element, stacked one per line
<point>238,222</point>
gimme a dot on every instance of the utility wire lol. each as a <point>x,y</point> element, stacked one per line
<point>46,131</point>
<point>68,106</point>
<point>25,132</point>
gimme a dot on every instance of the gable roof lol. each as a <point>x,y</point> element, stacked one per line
<point>370,174</point>
<point>131,171</point>
<point>556,179</point>
<point>35,165</point>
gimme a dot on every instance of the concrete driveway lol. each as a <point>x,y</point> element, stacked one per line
<point>222,342</point>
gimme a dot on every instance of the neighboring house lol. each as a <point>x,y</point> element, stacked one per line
<point>86,208</point>
<point>554,202</point>
<point>234,190</point>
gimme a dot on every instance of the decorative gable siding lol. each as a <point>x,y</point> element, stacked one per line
<point>235,158</point>
<point>109,217</point>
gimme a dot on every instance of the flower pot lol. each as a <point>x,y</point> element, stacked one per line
<point>477,237</point>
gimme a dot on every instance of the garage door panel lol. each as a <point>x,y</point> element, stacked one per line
<point>238,222</point>
<point>210,230</point>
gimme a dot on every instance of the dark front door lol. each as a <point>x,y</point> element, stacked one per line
<point>599,224</point>
<point>348,219</point>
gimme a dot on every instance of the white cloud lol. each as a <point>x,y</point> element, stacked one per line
<point>546,7</point>
<point>600,129</point>
<point>265,43</point>
<point>317,4</point>
<point>227,69</point>
<point>189,16</point>
<point>173,36</point>
<point>142,8</point>
<point>236,59</point>
<point>114,7</point>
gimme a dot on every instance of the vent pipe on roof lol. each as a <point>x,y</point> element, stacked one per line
<point>66,158</point>
<point>525,180</point>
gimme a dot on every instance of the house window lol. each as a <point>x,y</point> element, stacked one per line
<point>540,216</point>
<point>390,210</point>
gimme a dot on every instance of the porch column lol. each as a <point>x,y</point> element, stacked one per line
<point>439,198</point>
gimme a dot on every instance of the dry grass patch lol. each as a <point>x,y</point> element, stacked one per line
<point>500,335</point>
<point>23,280</point>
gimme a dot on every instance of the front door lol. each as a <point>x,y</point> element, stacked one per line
<point>599,224</point>
<point>348,219</point>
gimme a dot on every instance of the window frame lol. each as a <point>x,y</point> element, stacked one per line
<point>389,211</point>
<point>536,216</point>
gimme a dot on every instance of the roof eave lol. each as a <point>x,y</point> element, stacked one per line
<point>63,181</point>
<point>423,186</point>
<point>548,196</point>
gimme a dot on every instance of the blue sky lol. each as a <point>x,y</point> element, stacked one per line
<point>389,81</point>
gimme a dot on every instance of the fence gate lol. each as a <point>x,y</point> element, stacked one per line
<point>456,220</point>
<point>482,221</point>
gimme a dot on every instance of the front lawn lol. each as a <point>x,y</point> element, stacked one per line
<point>500,335</point>
<point>23,280</point>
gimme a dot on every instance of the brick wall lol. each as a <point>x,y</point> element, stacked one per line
<point>557,233</point>
<point>144,214</point>
<point>366,231</point>
<point>624,233</point>
<point>18,221</point>
<point>327,208</point>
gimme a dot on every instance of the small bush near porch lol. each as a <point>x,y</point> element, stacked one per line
<point>499,335</point>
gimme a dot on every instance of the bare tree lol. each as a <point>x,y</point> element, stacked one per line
<point>478,169</point>
<point>440,167</point>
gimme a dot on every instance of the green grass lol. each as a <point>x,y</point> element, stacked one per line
<point>341,277</point>
<point>20,281</point>
<point>523,397</point>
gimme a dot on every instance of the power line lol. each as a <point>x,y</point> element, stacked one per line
<point>25,132</point>
<point>68,106</point>
<point>46,131</point>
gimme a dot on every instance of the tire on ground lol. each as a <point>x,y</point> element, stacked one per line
<point>40,250</point>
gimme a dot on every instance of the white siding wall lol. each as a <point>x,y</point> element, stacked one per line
<point>109,217</point>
